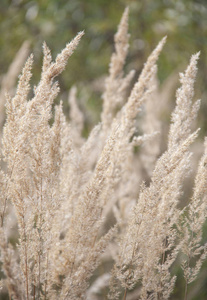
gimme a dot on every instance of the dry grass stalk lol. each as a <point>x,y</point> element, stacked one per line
<point>69,192</point>
<point>8,82</point>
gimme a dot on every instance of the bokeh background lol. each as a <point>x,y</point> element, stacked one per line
<point>58,21</point>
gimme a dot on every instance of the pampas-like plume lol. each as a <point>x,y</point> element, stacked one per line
<point>81,212</point>
<point>9,80</point>
<point>116,85</point>
<point>193,223</point>
<point>151,231</point>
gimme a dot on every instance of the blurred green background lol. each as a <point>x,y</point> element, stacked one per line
<point>58,21</point>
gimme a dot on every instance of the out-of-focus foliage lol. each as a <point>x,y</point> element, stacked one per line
<point>57,21</point>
